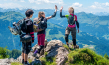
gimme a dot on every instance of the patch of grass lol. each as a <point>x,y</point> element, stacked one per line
<point>65,46</point>
<point>48,60</point>
<point>16,63</point>
<point>29,60</point>
<point>86,56</point>
<point>45,53</point>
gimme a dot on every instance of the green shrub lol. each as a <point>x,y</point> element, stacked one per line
<point>86,56</point>
<point>3,53</point>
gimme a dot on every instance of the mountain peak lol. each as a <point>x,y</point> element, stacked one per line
<point>57,53</point>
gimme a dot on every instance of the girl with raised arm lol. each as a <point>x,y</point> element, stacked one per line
<point>41,34</point>
<point>72,19</point>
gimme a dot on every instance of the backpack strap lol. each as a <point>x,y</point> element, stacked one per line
<point>74,18</point>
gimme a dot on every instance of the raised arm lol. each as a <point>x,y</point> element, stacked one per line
<point>53,14</point>
<point>61,13</point>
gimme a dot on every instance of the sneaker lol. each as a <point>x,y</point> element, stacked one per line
<point>22,61</point>
<point>26,63</point>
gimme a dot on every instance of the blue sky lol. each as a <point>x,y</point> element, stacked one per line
<point>90,6</point>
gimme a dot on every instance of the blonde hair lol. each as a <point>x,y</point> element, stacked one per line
<point>72,9</point>
<point>40,14</point>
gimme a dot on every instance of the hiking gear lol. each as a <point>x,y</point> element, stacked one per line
<point>20,28</point>
<point>71,20</point>
<point>72,30</point>
<point>68,45</point>
<point>76,47</point>
<point>34,55</point>
<point>66,37</point>
<point>22,61</point>
<point>25,38</point>
<point>36,52</point>
<point>26,47</point>
<point>41,39</point>
<point>67,16</point>
<point>26,63</point>
<point>71,26</point>
<point>16,29</point>
<point>39,24</point>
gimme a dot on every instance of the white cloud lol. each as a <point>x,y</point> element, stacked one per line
<point>46,1</point>
<point>98,5</point>
<point>10,5</point>
<point>106,4</point>
<point>16,0</point>
<point>93,6</point>
<point>76,5</point>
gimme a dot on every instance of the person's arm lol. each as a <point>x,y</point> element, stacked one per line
<point>62,16</point>
<point>31,31</point>
<point>53,14</point>
<point>77,24</point>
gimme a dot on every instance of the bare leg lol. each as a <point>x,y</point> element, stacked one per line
<point>25,57</point>
<point>22,55</point>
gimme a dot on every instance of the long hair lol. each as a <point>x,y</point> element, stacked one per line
<point>72,9</point>
<point>40,14</point>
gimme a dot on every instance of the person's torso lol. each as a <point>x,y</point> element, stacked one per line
<point>71,26</point>
<point>43,31</point>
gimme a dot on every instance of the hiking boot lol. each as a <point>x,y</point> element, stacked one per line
<point>27,63</point>
<point>34,55</point>
<point>22,61</point>
<point>37,56</point>
<point>68,45</point>
<point>76,47</point>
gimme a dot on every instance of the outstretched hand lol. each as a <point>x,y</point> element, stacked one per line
<point>56,7</point>
<point>61,8</point>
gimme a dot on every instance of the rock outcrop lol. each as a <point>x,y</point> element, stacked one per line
<point>53,48</point>
<point>7,61</point>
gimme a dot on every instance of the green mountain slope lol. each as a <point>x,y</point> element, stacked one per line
<point>53,32</point>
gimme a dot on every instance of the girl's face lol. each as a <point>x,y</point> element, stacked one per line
<point>70,11</point>
<point>43,15</point>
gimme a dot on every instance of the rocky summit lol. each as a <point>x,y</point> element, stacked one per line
<point>57,53</point>
<point>53,48</point>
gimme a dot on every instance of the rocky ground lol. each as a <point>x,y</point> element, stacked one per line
<point>53,48</point>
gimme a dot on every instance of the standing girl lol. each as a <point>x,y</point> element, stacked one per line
<point>71,25</point>
<point>41,34</point>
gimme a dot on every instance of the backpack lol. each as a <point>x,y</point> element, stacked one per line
<point>20,28</point>
<point>71,20</point>
<point>39,25</point>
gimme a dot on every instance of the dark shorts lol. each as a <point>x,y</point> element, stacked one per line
<point>26,47</point>
<point>72,30</point>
